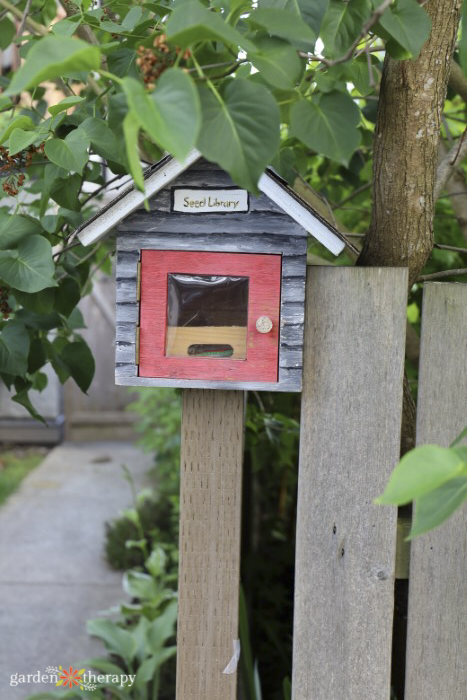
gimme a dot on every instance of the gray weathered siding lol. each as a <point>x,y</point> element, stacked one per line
<point>264,229</point>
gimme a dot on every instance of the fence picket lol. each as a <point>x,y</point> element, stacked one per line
<point>350,435</point>
<point>437,624</point>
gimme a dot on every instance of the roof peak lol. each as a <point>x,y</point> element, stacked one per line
<point>162,173</point>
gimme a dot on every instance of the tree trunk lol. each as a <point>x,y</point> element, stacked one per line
<point>405,158</point>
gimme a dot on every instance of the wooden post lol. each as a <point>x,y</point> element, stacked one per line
<point>437,623</point>
<point>350,441</point>
<point>210,515</point>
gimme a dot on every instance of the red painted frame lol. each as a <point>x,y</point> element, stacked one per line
<point>264,272</point>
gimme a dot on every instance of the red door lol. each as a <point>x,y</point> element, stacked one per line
<point>212,316</point>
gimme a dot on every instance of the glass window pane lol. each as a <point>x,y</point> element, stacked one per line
<point>207,316</point>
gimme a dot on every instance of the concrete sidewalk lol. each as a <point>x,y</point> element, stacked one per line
<point>53,576</point>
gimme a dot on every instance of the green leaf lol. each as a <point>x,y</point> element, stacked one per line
<point>40,302</point>
<point>459,438</point>
<point>20,139</point>
<point>65,192</point>
<point>177,101</point>
<point>66,27</point>
<point>240,130</point>
<point>122,63</point>
<point>65,104</point>
<point>328,125</point>
<point>358,72</point>
<point>286,25</point>
<point>68,296</point>
<point>139,585</point>
<point>408,24</point>
<point>78,358</point>
<point>54,57</point>
<point>420,471</point>
<point>101,137</point>
<point>313,12</point>
<point>22,397</point>
<point>163,627</point>
<point>190,23</point>
<point>21,122</point>
<point>7,32</point>
<point>30,268</point>
<point>70,153</point>
<point>434,508</point>
<point>14,348</point>
<point>342,24</point>
<point>116,639</point>
<point>131,127</point>
<point>14,228</point>
<point>278,62</point>
<point>132,18</point>
<point>171,114</point>
<point>37,355</point>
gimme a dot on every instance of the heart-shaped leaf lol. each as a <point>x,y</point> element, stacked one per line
<point>342,24</point>
<point>171,114</point>
<point>30,267</point>
<point>65,104</point>
<point>190,23</point>
<point>240,130</point>
<point>328,125</point>
<point>54,57</point>
<point>70,153</point>
<point>408,24</point>
<point>14,348</point>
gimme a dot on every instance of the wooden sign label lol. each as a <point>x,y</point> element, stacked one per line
<point>212,201</point>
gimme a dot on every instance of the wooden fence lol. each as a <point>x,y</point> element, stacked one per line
<point>346,546</point>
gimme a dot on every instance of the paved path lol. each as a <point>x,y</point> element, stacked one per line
<point>53,576</point>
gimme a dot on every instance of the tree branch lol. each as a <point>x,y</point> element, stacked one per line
<point>441,274</point>
<point>374,19</point>
<point>30,23</point>
<point>24,18</point>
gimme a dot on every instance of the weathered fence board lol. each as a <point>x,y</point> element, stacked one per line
<point>210,514</point>
<point>350,432</point>
<point>437,626</point>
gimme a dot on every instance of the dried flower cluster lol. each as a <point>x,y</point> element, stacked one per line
<point>153,61</point>
<point>12,166</point>
<point>5,309</point>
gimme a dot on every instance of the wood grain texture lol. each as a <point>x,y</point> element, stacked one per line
<point>437,624</point>
<point>255,222</point>
<point>350,437</point>
<point>290,379</point>
<point>210,520</point>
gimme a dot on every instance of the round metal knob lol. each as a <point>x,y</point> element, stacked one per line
<point>264,324</point>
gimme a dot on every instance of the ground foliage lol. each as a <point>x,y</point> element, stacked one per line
<point>281,82</point>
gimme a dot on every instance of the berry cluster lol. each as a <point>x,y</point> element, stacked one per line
<point>153,61</point>
<point>12,166</point>
<point>4,306</point>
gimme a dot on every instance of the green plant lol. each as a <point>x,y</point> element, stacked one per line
<point>140,642</point>
<point>159,420</point>
<point>15,465</point>
<point>128,538</point>
<point>434,478</point>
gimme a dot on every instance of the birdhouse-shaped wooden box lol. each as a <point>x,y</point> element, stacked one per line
<point>210,281</point>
